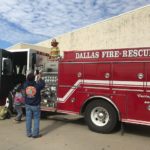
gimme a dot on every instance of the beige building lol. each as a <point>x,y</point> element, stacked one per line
<point>130,29</point>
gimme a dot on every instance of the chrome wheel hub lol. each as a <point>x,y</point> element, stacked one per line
<point>99,116</point>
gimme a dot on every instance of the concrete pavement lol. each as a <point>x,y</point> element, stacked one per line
<point>63,132</point>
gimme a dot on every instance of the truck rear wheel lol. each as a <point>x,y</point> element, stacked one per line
<point>10,102</point>
<point>101,116</point>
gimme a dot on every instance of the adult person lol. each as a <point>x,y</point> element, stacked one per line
<point>37,75</point>
<point>32,104</point>
<point>54,51</point>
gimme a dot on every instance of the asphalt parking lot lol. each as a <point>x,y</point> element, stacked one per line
<point>64,132</point>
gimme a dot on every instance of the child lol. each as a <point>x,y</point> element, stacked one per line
<point>18,101</point>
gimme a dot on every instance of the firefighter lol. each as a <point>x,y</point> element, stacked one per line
<point>54,51</point>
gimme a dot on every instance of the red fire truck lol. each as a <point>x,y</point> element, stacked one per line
<point>105,86</point>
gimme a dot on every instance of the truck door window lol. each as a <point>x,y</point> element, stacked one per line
<point>6,66</point>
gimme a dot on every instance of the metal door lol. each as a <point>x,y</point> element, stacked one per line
<point>129,79</point>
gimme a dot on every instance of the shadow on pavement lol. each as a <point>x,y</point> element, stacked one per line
<point>52,127</point>
<point>140,130</point>
<point>59,121</point>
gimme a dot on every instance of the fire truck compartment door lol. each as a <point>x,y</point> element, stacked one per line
<point>96,82</point>
<point>97,76</point>
<point>70,79</point>
<point>129,79</point>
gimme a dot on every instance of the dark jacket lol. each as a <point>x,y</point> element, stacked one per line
<point>34,99</point>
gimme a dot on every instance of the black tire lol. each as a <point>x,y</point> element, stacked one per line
<point>10,101</point>
<point>101,116</point>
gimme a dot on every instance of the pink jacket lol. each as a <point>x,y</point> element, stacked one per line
<point>18,98</point>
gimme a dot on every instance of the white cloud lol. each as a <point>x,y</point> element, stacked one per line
<point>15,35</point>
<point>48,18</point>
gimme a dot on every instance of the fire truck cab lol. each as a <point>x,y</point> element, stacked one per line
<point>5,74</point>
<point>15,65</point>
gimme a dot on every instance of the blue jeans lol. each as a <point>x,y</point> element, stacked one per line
<point>18,108</point>
<point>32,112</point>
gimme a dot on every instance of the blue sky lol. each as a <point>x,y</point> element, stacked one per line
<point>32,21</point>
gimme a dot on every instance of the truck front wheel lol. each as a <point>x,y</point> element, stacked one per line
<point>101,116</point>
